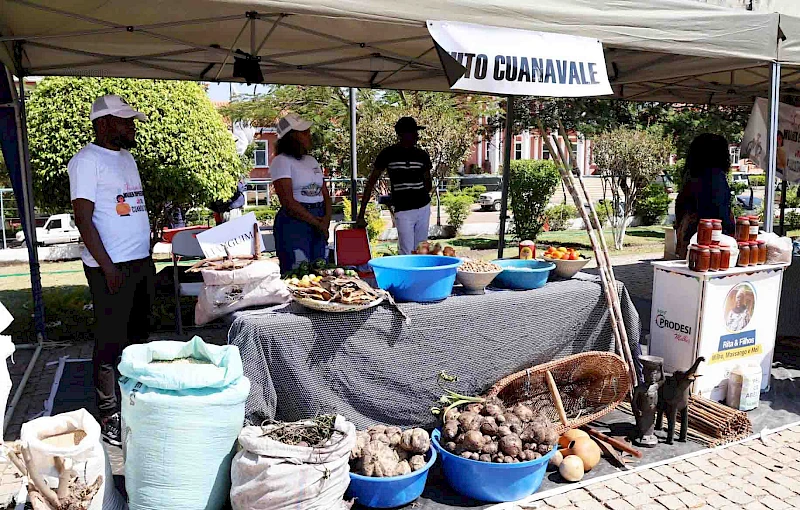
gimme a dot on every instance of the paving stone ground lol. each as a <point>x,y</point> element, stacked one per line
<point>709,481</point>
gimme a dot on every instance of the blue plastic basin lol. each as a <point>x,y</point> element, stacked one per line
<point>487,481</point>
<point>419,278</point>
<point>389,492</point>
<point>522,274</point>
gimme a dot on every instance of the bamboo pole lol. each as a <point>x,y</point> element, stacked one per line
<point>608,284</point>
<point>617,309</point>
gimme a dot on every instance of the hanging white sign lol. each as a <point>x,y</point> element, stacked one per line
<point>233,237</point>
<point>754,141</point>
<point>507,61</point>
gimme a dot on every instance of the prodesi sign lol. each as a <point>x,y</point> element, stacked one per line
<point>236,236</point>
<point>520,62</point>
<point>754,141</point>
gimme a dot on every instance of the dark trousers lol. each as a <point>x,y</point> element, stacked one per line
<point>292,234</point>
<point>121,319</point>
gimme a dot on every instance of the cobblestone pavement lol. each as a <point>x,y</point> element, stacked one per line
<point>759,474</point>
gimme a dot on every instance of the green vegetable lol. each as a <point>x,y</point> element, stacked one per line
<point>320,264</point>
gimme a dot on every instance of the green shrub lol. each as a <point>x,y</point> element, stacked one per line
<point>375,224</point>
<point>457,207</point>
<point>737,188</point>
<point>338,208</point>
<point>652,205</point>
<point>274,201</point>
<point>474,191</point>
<point>264,214</point>
<point>558,216</point>
<point>792,220</point>
<point>792,198</point>
<point>197,216</point>
<point>532,184</point>
<point>604,210</point>
<point>758,180</point>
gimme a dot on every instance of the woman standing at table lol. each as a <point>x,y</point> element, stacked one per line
<point>706,194</point>
<point>301,225</point>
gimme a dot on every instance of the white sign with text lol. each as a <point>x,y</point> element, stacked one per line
<point>235,235</point>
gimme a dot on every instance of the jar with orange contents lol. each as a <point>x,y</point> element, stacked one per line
<point>762,252</point>
<point>715,259</point>
<point>725,258</point>
<point>744,255</point>
<point>705,232</point>
<point>742,229</point>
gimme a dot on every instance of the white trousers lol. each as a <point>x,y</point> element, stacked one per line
<point>412,228</point>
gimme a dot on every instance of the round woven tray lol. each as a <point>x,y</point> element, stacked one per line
<point>591,385</point>
<point>322,306</point>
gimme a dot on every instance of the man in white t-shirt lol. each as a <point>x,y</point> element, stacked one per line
<point>107,197</point>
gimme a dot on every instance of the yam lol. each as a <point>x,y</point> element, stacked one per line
<point>473,441</point>
<point>491,447</point>
<point>489,426</point>
<point>449,446</point>
<point>362,440</point>
<point>512,419</point>
<point>383,438</point>
<point>379,460</point>
<point>544,449</point>
<point>493,409</point>
<point>417,462</point>
<point>475,407</point>
<point>450,429</point>
<point>420,441</point>
<point>511,445</point>
<point>485,458</point>
<point>451,414</point>
<point>503,431</point>
<point>466,455</point>
<point>523,412</point>
<point>403,468</point>
<point>470,421</point>
<point>376,429</point>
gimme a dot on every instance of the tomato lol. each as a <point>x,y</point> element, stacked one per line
<point>573,256</point>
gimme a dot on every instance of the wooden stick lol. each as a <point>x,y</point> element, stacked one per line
<point>551,383</point>
<point>609,286</point>
<point>616,443</point>
<point>256,242</point>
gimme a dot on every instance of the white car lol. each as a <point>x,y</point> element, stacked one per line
<point>59,228</point>
<point>490,201</point>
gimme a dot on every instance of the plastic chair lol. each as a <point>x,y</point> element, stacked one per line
<point>351,248</point>
<point>184,245</point>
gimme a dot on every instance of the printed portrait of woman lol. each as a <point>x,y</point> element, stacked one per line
<point>739,306</point>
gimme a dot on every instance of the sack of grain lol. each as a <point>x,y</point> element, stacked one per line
<point>75,436</point>
<point>270,475</point>
<point>182,410</point>
<point>225,291</point>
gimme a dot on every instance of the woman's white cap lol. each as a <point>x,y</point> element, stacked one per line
<point>292,122</point>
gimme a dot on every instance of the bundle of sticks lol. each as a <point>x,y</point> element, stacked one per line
<point>710,423</point>
<point>566,161</point>
<point>716,424</point>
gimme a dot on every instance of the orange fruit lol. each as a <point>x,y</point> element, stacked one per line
<point>573,256</point>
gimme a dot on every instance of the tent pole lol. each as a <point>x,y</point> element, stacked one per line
<point>506,174</point>
<point>772,137</point>
<point>783,207</point>
<point>353,157</point>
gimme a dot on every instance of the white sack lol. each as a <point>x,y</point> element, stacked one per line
<point>89,456</point>
<point>269,475</point>
<point>224,292</point>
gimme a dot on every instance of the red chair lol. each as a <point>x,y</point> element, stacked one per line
<point>351,248</point>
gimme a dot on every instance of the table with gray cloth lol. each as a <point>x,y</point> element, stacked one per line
<point>375,366</point>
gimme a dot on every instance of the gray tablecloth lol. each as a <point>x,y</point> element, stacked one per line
<point>374,367</point>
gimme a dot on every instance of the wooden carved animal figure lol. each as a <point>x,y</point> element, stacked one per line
<point>673,397</point>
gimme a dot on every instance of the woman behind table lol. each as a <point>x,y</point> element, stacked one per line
<point>301,225</point>
<point>706,194</point>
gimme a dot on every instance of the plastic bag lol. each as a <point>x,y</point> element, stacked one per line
<point>181,421</point>
<point>89,456</point>
<point>269,475</point>
<point>257,284</point>
<point>779,250</point>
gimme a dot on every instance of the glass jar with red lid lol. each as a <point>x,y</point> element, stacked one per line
<point>725,258</point>
<point>705,232</point>
<point>754,224</point>
<point>742,229</point>
<point>762,252</point>
<point>716,233</point>
<point>699,258</point>
<point>744,254</point>
<point>715,258</point>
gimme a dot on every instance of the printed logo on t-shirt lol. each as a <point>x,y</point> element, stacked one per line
<point>312,190</point>
<point>131,195</point>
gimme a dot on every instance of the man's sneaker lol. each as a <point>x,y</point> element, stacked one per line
<point>110,430</point>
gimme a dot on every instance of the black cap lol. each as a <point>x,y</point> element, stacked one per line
<point>407,125</point>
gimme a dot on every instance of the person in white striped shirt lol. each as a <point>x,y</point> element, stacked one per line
<point>409,169</point>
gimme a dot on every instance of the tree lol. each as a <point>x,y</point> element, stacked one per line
<point>185,153</point>
<point>628,161</point>
<point>532,184</point>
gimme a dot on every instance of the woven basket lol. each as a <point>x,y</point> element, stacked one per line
<point>323,306</point>
<point>591,385</point>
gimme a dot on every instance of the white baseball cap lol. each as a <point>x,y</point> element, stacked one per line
<point>292,122</point>
<point>111,104</point>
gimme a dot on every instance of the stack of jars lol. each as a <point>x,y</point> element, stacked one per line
<point>708,254</point>
<point>752,252</point>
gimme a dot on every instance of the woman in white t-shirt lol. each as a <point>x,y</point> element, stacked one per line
<point>301,225</point>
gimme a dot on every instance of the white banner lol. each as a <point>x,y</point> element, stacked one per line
<point>235,235</point>
<point>754,142</point>
<point>520,62</point>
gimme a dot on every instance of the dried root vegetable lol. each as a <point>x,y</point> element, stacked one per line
<point>382,451</point>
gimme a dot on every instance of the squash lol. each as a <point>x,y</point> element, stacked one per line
<point>571,468</point>
<point>570,436</point>
<point>587,450</point>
